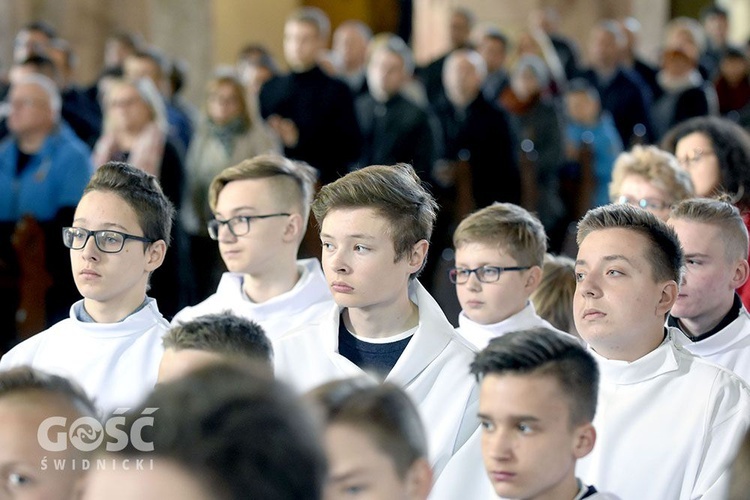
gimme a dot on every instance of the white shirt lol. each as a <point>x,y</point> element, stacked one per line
<point>306,302</point>
<point>729,347</point>
<point>433,370</point>
<point>115,363</point>
<point>480,335</point>
<point>668,426</point>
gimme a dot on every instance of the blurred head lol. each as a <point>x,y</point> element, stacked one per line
<point>734,66</point>
<point>148,64</point>
<point>35,105</point>
<point>606,44</point>
<point>493,47</point>
<point>530,78</point>
<point>255,66</point>
<point>685,35</point>
<point>27,399</point>
<point>228,429</point>
<point>212,338</point>
<point>461,22</point>
<point>350,42</point>
<point>499,236</point>
<point>537,400</point>
<point>553,299</point>
<point>132,105</point>
<point>716,153</point>
<point>225,101</point>
<point>34,64</point>
<point>582,102</point>
<point>119,46</point>
<point>464,72</point>
<point>306,34</point>
<point>390,66</point>
<point>375,441</point>
<point>33,39</point>
<point>715,21</point>
<point>649,178</point>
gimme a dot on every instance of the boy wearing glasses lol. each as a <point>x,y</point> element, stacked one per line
<point>111,343</point>
<point>499,257</point>
<point>260,208</point>
<point>375,224</point>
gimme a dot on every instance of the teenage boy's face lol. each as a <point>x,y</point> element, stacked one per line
<point>22,458</point>
<point>529,445</point>
<point>359,259</point>
<point>489,303</point>
<point>111,278</point>
<point>710,278</point>
<point>258,250</point>
<point>619,308</point>
<point>359,469</point>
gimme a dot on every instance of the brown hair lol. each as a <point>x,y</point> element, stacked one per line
<point>664,252</point>
<point>239,92</point>
<point>394,191</point>
<point>509,227</point>
<point>293,180</point>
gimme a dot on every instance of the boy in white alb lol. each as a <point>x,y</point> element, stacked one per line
<point>537,401</point>
<point>261,207</point>
<point>375,225</point>
<point>709,313</point>
<point>668,422</point>
<point>111,344</point>
<point>499,257</point>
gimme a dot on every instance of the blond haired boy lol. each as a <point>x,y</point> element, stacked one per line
<point>499,257</point>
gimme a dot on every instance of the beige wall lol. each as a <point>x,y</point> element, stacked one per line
<point>239,22</point>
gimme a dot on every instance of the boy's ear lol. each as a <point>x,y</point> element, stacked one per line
<point>741,273</point>
<point>418,254</point>
<point>294,228</point>
<point>155,254</point>
<point>533,278</point>
<point>418,480</point>
<point>585,438</point>
<point>668,297</point>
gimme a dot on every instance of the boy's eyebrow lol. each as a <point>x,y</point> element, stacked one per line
<point>106,224</point>
<point>352,236</point>
<point>514,418</point>
<point>696,254</point>
<point>347,475</point>
<point>607,258</point>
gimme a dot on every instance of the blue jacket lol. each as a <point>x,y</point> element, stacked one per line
<point>53,179</point>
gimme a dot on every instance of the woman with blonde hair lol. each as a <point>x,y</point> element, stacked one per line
<point>650,178</point>
<point>227,134</point>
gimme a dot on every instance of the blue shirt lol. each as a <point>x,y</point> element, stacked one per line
<point>53,179</point>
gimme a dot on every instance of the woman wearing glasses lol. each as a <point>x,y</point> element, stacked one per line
<point>716,154</point>
<point>649,178</point>
<point>111,343</point>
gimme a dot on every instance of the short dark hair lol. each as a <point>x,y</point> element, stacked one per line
<point>222,333</point>
<point>664,252</point>
<point>382,411</point>
<point>544,352</point>
<point>41,64</point>
<point>25,379</point>
<point>395,191</point>
<point>731,145</point>
<point>242,432</point>
<point>142,192</point>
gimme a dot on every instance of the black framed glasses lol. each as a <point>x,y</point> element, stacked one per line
<point>647,203</point>
<point>238,225</point>
<point>106,240</point>
<point>485,274</point>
